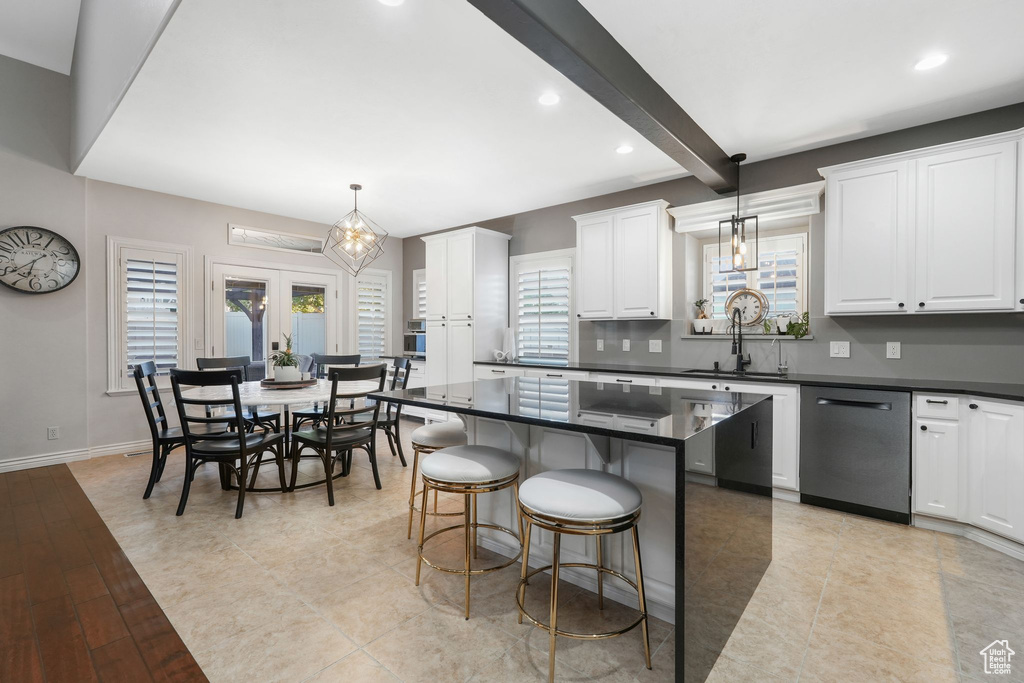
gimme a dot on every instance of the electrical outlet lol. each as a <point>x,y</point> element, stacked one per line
<point>600,344</point>
<point>625,345</point>
<point>654,345</point>
<point>839,349</point>
<point>52,433</point>
<point>892,350</point>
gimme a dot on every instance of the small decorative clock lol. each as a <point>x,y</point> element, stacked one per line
<point>753,305</point>
<point>36,260</point>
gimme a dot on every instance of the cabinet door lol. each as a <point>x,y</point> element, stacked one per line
<point>496,372</point>
<point>636,263</point>
<point>867,231</point>
<point>460,277</point>
<point>436,258</point>
<point>594,268</point>
<point>785,430</point>
<point>936,467</point>
<point>965,220</point>
<point>460,360</point>
<point>437,358</point>
<point>995,467</point>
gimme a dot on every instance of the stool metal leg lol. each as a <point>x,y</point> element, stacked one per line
<point>600,576</point>
<point>470,534</point>
<point>412,487</point>
<point>640,594</point>
<point>553,623</point>
<point>526,563</point>
<point>423,523</point>
<point>474,529</point>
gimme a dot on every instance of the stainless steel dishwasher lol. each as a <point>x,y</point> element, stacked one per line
<point>855,451</point>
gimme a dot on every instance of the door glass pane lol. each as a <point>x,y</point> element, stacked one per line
<point>245,318</point>
<point>309,327</point>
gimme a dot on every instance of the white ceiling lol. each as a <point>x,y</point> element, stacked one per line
<point>40,32</point>
<point>431,107</point>
<point>771,78</point>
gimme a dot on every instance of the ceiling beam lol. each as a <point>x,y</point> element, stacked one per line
<point>566,36</point>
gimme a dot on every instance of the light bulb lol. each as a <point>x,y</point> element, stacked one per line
<point>743,248</point>
<point>737,260</point>
<point>359,247</point>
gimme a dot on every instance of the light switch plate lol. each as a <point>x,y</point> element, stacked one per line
<point>600,344</point>
<point>892,350</point>
<point>625,345</point>
<point>198,344</point>
<point>839,349</point>
<point>654,345</point>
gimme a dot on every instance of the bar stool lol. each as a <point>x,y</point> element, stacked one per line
<point>581,503</point>
<point>426,440</point>
<point>469,470</point>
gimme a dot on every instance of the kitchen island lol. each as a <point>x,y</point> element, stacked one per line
<point>644,434</point>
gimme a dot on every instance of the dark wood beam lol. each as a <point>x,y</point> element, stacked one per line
<point>566,36</point>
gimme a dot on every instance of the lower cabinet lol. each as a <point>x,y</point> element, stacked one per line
<point>936,467</point>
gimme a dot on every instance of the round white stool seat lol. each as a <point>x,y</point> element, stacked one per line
<point>440,435</point>
<point>469,465</point>
<point>580,495</point>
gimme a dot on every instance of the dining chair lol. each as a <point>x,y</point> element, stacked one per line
<point>346,427</point>
<point>320,364</point>
<point>253,417</point>
<point>390,421</point>
<point>232,447</point>
<point>165,437</point>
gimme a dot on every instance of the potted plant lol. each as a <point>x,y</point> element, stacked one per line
<point>286,365</point>
<point>799,325</point>
<point>703,324</point>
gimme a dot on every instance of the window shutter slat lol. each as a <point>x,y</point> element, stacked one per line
<point>542,314</point>
<point>151,315</point>
<point>371,316</point>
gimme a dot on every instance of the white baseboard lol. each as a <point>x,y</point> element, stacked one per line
<point>786,494</point>
<point>986,538</point>
<point>46,459</point>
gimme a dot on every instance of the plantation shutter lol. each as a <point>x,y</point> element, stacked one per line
<point>372,311</point>
<point>544,397</point>
<point>419,279</point>
<point>151,313</point>
<point>781,275</point>
<point>542,311</point>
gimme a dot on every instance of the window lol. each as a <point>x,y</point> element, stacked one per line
<point>544,397</point>
<point>274,239</point>
<point>147,306</point>
<point>373,303</point>
<point>419,293</point>
<point>542,307</point>
<point>781,275</point>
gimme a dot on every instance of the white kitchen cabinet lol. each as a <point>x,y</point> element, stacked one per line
<point>460,279</point>
<point>937,467</point>
<point>995,466</point>
<point>437,347</point>
<point>497,372</point>
<point>624,263</point>
<point>638,380</point>
<point>436,258</point>
<point>557,373</point>
<point>867,239</point>
<point>1019,273</point>
<point>965,227</point>
<point>417,375</point>
<point>460,360</point>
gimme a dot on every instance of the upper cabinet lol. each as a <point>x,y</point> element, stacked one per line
<point>929,231</point>
<point>624,263</point>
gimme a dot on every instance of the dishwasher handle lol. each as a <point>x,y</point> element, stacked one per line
<point>873,405</point>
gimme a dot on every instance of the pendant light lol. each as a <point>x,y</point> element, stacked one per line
<point>356,240</point>
<point>743,253</point>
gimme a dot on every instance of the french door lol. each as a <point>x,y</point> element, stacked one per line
<point>253,308</point>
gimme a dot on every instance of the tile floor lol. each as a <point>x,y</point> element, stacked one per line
<point>299,591</point>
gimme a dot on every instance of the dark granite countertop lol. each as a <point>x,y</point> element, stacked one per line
<point>1012,392</point>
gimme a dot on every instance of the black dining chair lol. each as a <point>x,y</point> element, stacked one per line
<point>345,427</point>
<point>253,417</point>
<point>221,439</point>
<point>320,364</point>
<point>165,437</point>
<point>391,419</point>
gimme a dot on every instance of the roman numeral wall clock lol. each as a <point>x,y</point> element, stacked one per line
<point>36,260</point>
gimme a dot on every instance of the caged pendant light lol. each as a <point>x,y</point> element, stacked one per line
<point>742,251</point>
<point>356,240</point>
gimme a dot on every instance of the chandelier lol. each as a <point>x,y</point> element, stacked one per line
<point>356,240</point>
<point>739,227</point>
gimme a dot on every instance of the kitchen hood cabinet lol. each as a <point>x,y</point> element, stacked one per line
<point>929,231</point>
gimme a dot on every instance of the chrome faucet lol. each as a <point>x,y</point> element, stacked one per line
<point>737,342</point>
<point>782,368</point>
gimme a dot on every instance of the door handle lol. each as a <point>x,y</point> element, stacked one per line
<point>753,434</point>
<point>853,404</point>
<point>943,402</point>
<point>973,406</point>
<point>551,374</point>
<point>500,372</point>
<point>625,381</point>
<point>924,428</point>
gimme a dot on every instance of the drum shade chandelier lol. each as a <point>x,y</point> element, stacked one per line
<point>356,240</point>
<point>742,251</point>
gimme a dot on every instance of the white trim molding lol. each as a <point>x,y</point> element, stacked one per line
<point>61,457</point>
<point>772,205</point>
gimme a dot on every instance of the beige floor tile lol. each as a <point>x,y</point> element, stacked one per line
<point>890,542</point>
<point>523,663</point>
<point>312,577</point>
<point>291,648</point>
<point>858,571</point>
<point>776,646</point>
<point>357,667</point>
<point>174,580</point>
<point>980,603</point>
<point>839,657</point>
<point>728,670</point>
<point>373,606</point>
<point>972,638</point>
<point>438,647</point>
<point>970,559</point>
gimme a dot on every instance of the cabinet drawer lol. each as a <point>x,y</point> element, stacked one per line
<point>942,407</point>
<point>555,373</point>
<point>636,380</point>
<point>491,372</point>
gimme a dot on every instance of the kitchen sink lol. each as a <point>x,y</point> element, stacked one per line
<point>731,373</point>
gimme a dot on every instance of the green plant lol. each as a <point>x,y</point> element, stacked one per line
<point>767,325</point>
<point>286,358</point>
<point>799,327</point>
<point>700,304</point>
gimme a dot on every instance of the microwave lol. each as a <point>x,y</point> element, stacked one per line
<point>415,343</point>
<point>416,325</point>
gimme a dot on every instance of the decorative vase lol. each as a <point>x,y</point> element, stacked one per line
<point>287,373</point>
<point>702,326</point>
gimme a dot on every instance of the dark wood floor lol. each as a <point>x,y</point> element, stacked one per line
<point>72,607</point>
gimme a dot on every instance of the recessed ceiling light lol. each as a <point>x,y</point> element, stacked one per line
<point>623,149</point>
<point>549,98</point>
<point>931,61</point>
<point>391,3</point>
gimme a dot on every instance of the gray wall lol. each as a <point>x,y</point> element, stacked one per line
<point>981,346</point>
